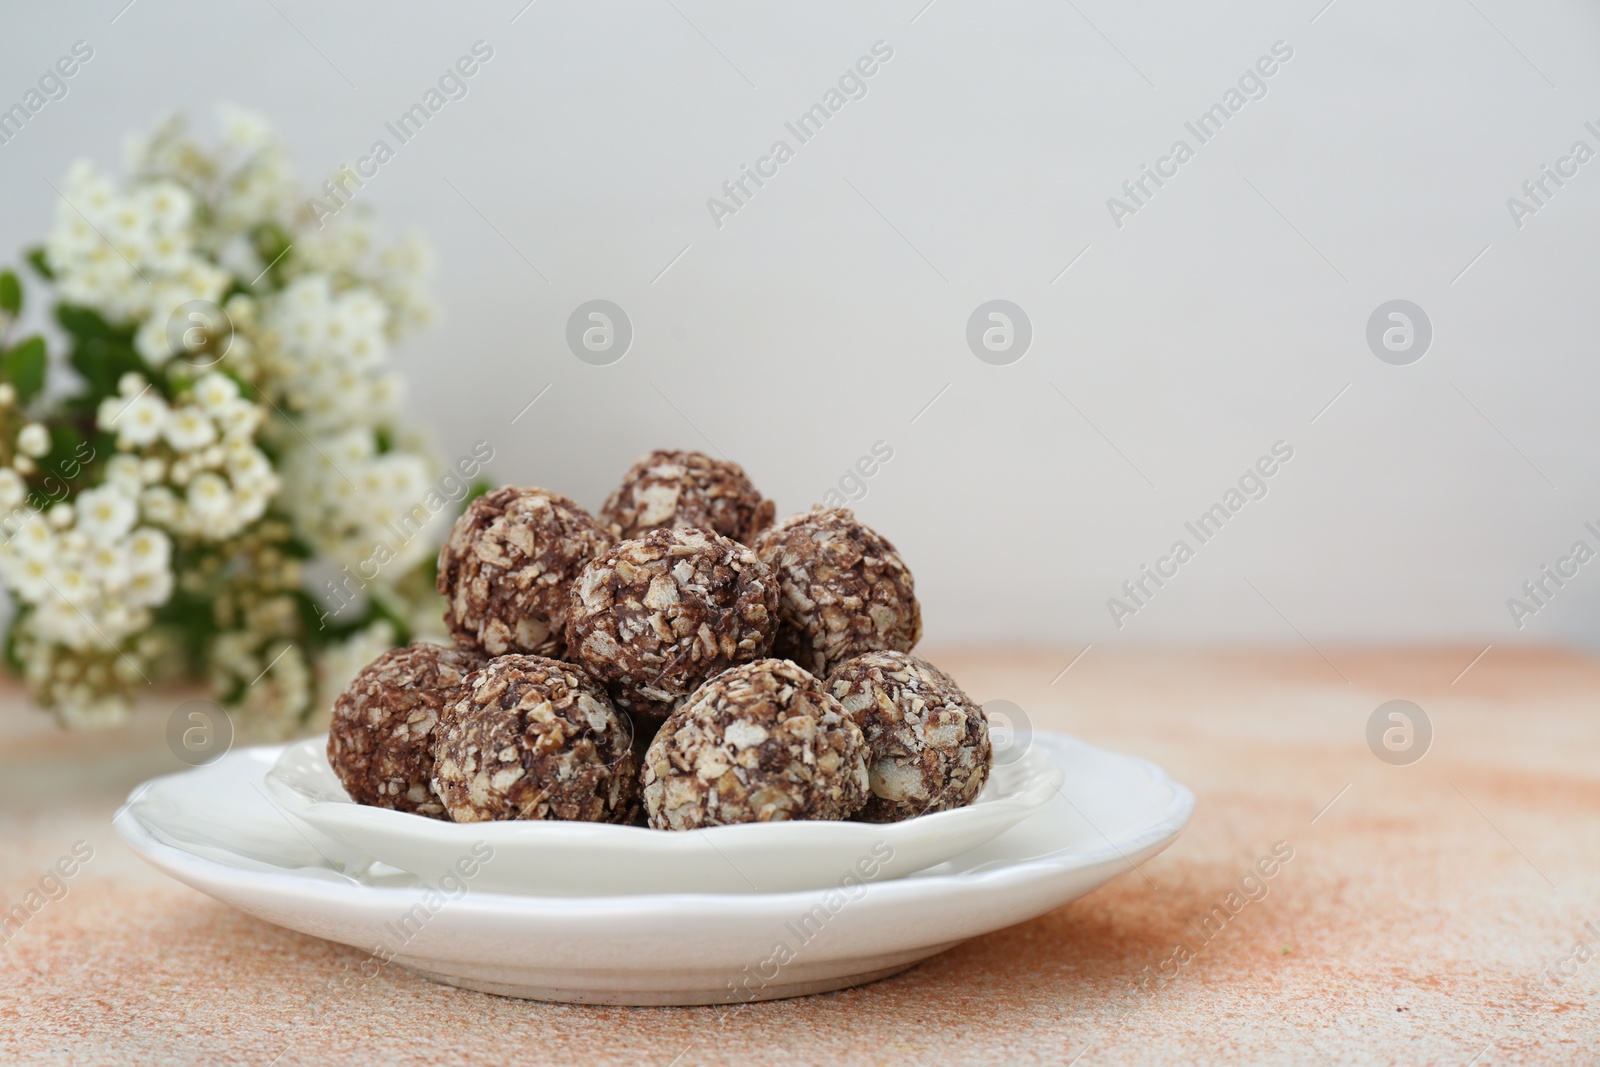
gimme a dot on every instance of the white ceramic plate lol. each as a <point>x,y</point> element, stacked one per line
<point>214,829</point>
<point>550,858</point>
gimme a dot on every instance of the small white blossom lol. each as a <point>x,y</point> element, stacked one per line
<point>33,538</point>
<point>106,513</point>
<point>216,392</point>
<point>26,575</point>
<point>70,582</point>
<point>13,490</point>
<point>188,429</point>
<point>126,473</point>
<point>150,588</point>
<point>208,495</point>
<point>159,505</point>
<point>149,551</point>
<point>309,348</point>
<point>34,440</point>
<point>136,421</point>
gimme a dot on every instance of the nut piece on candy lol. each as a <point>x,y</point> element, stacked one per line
<point>654,617</point>
<point>928,741</point>
<point>761,742</point>
<point>380,740</point>
<point>531,738</point>
<point>505,569</point>
<point>845,590</point>
<point>674,489</point>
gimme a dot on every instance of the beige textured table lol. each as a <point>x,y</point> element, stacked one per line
<point>1430,912</point>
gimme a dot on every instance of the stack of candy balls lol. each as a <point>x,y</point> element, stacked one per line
<point>678,661</point>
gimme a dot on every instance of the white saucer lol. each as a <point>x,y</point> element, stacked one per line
<point>213,828</point>
<point>548,858</point>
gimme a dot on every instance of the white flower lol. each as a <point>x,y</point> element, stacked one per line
<point>13,490</point>
<point>238,256</point>
<point>70,582</point>
<point>160,505</point>
<point>310,340</point>
<point>138,421</point>
<point>326,345</point>
<point>151,341</point>
<point>188,430</point>
<point>150,588</point>
<point>216,392</point>
<point>167,205</point>
<point>128,227</point>
<point>126,473</point>
<point>106,513</point>
<point>209,495</point>
<point>249,467</point>
<point>34,539</point>
<point>239,419</point>
<point>26,574</point>
<point>34,439</point>
<point>117,616</point>
<point>149,551</point>
<point>341,494</point>
<point>108,564</point>
<point>385,391</point>
<point>243,128</point>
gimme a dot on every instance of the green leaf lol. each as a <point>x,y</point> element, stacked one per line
<point>13,655</point>
<point>101,362</point>
<point>83,321</point>
<point>10,292</point>
<point>23,367</point>
<point>40,264</point>
<point>272,242</point>
<point>312,623</point>
<point>69,454</point>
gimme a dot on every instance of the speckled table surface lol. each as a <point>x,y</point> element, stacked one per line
<point>1446,911</point>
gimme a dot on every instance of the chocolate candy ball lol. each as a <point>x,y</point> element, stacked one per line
<point>506,567</point>
<point>672,489</point>
<point>653,617</point>
<point>928,741</point>
<point>380,741</point>
<point>845,590</point>
<point>762,742</point>
<point>531,738</point>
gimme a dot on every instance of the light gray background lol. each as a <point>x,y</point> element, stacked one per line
<point>828,313</point>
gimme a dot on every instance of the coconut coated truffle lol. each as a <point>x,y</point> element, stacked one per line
<point>761,742</point>
<point>845,590</point>
<point>653,617</point>
<point>928,741</point>
<point>507,565</point>
<point>531,738</point>
<point>380,740</point>
<point>674,489</point>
